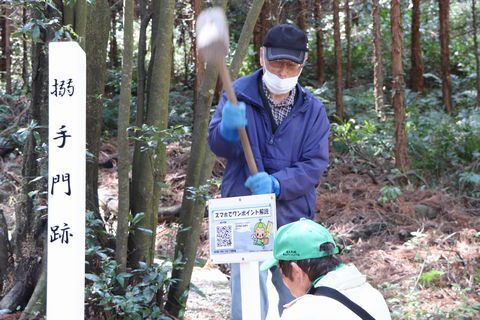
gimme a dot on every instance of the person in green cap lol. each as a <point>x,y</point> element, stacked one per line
<point>323,286</point>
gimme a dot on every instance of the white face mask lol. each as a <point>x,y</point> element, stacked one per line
<point>277,85</point>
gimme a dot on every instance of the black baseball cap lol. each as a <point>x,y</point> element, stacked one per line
<point>286,41</point>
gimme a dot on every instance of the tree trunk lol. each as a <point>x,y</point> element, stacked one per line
<point>69,14</point>
<point>96,51</point>
<point>172,55</point>
<point>199,65</point>
<point>444,8</point>
<point>475,48</point>
<point>246,34</point>
<point>81,11</point>
<point>153,46</point>
<point>141,81</point>
<point>25,278</point>
<point>340,109</point>
<point>123,148</point>
<point>142,49</point>
<point>152,172</point>
<point>137,192</point>
<point>6,59</point>
<point>348,37</point>
<point>38,302</point>
<point>25,75</point>
<point>186,52</point>
<point>302,8</point>
<point>199,170</point>
<point>190,223</point>
<point>269,14</point>
<point>141,189</point>
<point>319,37</point>
<point>416,70</point>
<point>113,51</point>
<point>29,224</point>
<point>8,55</point>
<point>76,15</point>
<point>165,44</point>
<point>3,40</point>
<point>377,58</point>
<point>398,97</point>
<point>4,249</point>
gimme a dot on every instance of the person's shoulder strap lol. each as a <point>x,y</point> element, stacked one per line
<point>340,297</point>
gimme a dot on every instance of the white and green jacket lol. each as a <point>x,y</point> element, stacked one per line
<point>349,281</point>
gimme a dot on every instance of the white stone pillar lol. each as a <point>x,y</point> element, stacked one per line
<point>66,181</point>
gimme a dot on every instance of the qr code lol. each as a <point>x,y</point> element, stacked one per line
<point>224,236</point>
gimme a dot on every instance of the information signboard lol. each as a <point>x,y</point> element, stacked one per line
<point>242,228</point>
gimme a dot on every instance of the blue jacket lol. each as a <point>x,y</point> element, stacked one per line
<point>296,154</point>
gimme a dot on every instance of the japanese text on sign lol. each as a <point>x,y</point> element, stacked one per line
<point>65,178</point>
<point>62,134</point>
<point>242,228</point>
<point>241,213</point>
<point>60,89</point>
<point>63,235</point>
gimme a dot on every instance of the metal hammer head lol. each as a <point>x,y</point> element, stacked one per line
<point>212,35</point>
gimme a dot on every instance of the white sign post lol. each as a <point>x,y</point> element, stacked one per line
<point>242,230</point>
<point>249,282</point>
<point>66,182</point>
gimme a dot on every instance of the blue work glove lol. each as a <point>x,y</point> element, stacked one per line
<point>262,183</point>
<point>233,118</point>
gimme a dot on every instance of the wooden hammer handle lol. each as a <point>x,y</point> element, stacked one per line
<point>227,85</point>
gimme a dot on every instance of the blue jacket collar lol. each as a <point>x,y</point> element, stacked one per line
<point>247,90</point>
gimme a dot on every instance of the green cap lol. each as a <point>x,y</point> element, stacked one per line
<point>298,241</point>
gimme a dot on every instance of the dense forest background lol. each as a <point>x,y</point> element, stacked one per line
<point>401,84</point>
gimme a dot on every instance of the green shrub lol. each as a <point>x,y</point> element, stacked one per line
<point>428,278</point>
<point>441,144</point>
<point>140,300</point>
<point>367,140</point>
<point>389,193</point>
<point>136,294</point>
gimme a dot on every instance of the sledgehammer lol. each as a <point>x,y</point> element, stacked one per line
<point>213,43</point>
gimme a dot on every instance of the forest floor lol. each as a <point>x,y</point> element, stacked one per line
<point>421,250</point>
